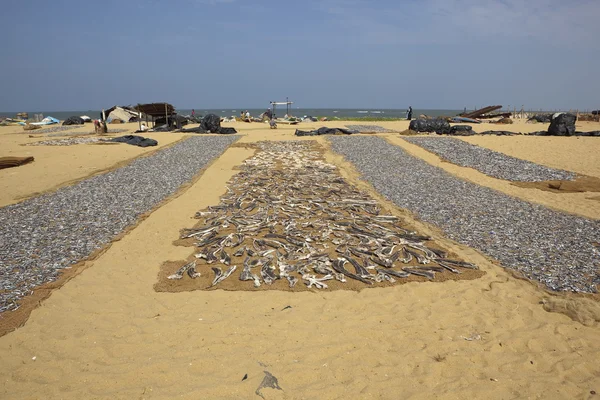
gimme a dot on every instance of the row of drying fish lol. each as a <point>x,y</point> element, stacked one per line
<point>288,214</point>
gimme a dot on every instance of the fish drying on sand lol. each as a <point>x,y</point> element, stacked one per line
<point>289,216</point>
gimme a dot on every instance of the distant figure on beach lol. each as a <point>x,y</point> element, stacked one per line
<point>193,113</point>
<point>143,128</point>
<point>269,114</point>
<point>100,126</point>
<point>273,123</point>
<point>248,116</point>
<point>409,113</point>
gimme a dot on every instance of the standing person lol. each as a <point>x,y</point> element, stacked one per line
<point>248,116</point>
<point>193,113</point>
<point>409,113</point>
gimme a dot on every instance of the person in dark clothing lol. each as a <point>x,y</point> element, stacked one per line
<point>409,113</point>
<point>269,114</point>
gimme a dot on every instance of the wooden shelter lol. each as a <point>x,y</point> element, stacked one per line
<point>156,110</point>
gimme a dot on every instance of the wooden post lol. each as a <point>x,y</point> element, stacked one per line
<point>140,120</point>
<point>166,116</point>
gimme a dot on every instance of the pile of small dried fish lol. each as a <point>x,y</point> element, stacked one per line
<point>290,215</point>
<point>560,250</point>
<point>369,128</point>
<point>67,141</point>
<point>110,131</point>
<point>44,234</point>
<point>54,129</point>
<point>489,162</point>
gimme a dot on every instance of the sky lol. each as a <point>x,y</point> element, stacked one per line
<point>431,54</point>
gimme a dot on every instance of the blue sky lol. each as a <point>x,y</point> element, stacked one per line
<point>449,54</point>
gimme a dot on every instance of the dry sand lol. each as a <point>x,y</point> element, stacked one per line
<point>107,334</point>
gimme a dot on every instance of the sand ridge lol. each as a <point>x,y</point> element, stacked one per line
<point>108,334</point>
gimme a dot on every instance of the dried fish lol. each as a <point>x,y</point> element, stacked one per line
<point>220,276</point>
<point>224,257</point>
<point>192,273</point>
<point>397,274</point>
<point>179,274</point>
<point>457,263</point>
<point>292,280</point>
<point>420,258</point>
<point>291,208</point>
<point>427,274</point>
<point>267,273</point>
<point>338,266</point>
<point>239,252</point>
<point>317,282</point>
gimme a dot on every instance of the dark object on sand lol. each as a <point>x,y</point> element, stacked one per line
<point>590,133</point>
<point>458,120</point>
<point>269,381</point>
<point>175,121</point>
<point>74,121</point>
<point>135,140</point>
<point>562,125</point>
<point>245,377</point>
<point>325,131</point>
<point>227,131</point>
<point>211,123</point>
<point>544,118</point>
<point>437,125</point>
<point>9,162</point>
<point>198,129</point>
<point>161,128</point>
<point>504,120</point>
<point>499,133</point>
<point>462,130</point>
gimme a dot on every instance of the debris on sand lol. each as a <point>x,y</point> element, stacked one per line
<point>269,381</point>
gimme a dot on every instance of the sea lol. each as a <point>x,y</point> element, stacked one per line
<point>279,112</point>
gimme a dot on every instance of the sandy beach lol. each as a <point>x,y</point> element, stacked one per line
<point>104,331</point>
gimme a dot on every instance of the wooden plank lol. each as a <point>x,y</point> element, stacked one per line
<point>481,111</point>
